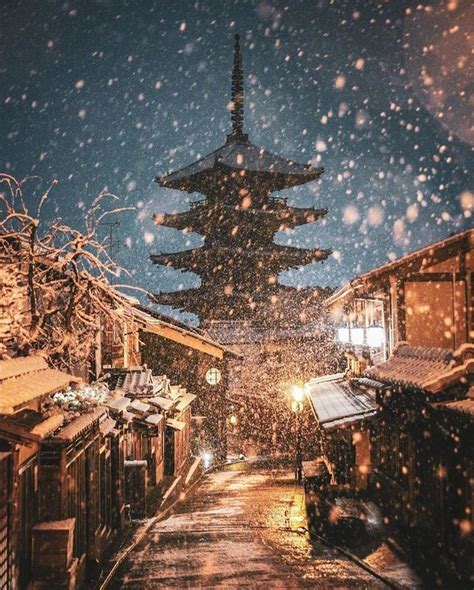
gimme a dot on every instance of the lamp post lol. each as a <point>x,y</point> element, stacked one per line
<point>297,393</point>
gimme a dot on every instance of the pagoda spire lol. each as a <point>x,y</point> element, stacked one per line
<point>237,94</point>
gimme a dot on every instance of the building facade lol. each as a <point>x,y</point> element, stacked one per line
<point>416,382</point>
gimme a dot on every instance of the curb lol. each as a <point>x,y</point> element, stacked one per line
<point>354,558</point>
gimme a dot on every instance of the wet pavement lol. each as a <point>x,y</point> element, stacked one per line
<point>245,527</point>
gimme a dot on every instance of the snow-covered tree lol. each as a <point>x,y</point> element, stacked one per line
<point>54,280</point>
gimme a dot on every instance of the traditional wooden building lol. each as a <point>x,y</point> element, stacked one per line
<point>81,492</point>
<point>24,385</point>
<point>422,467</point>
<point>156,421</point>
<point>343,409</point>
<point>424,298</point>
<point>410,327</point>
<point>198,363</point>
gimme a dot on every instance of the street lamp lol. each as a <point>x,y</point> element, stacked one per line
<point>297,393</point>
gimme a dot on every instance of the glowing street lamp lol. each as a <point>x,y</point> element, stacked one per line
<point>297,394</point>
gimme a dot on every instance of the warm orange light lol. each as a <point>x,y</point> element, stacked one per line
<point>297,393</point>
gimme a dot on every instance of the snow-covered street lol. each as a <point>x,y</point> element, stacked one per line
<point>245,527</point>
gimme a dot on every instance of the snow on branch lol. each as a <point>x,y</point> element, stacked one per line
<point>54,288</point>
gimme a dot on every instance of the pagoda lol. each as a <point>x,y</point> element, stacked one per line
<point>239,262</point>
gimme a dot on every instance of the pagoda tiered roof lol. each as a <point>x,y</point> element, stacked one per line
<point>239,261</point>
<point>239,155</point>
<point>274,256</point>
<point>277,213</point>
<point>240,303</point>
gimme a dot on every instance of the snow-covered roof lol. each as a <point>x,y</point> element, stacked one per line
<point>28,426</point>
<point>175,424</point>
<point>185,401</point>
<point>22,380</point>
<point>242,155</point>
<point>236,332</point>
<point>79,425</point>
<point>337,401</point>
<point>429,369</point>
<point>136,381</point>
<point>163,403</point>
<point>424,255</point>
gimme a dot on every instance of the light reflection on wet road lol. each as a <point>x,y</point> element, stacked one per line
<point>239,528</point>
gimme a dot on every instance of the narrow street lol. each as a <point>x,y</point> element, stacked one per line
<point>244,527</point>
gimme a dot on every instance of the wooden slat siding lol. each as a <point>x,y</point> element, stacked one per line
<point>435,277</point>
<point>6,573</point>
<point>28,516</point>
<point>470,306</point>
<point>183,337</point>
<point>401,311</point>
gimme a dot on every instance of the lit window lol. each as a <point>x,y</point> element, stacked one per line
<point>343,335</point>
<point>375,336</point>
<point>357,336</point>
<point>213,376</point>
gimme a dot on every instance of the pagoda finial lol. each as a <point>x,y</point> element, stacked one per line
<point>237,104</point>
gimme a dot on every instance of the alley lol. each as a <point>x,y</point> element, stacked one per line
<point>244,527</point>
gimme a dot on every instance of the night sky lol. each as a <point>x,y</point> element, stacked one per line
<point>111,93</point>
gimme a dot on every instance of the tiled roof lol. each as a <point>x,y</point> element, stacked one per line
<point>465,406</point>
<point>430,369</point>
<point>242,155</point>
<point>134,382</point>
<point>337,401</point>
<point>21,365</point>
<point>163,403</point>
<point>23,380</point>
<point>29,426</point>
<point>78,426</point>
<point>241,332</point>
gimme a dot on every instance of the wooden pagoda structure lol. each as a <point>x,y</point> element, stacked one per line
<point>239,262</point>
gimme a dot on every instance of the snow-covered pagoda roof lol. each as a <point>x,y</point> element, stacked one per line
<point>338,402</point>
<point>238,154</point>
<point>241,155</point>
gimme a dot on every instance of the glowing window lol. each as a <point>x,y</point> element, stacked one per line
<point>213,376</point>
<point>343,335</point>
<point>375,336</point>
<point>357,336</point>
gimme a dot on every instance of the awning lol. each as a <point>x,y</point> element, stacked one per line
<point>339,402</point>
<point>16,392</point>
<point>175,424</point>
<point>315,468</point>
<point>28,426</point>
<point>161,402</point>
<point>185,401</point>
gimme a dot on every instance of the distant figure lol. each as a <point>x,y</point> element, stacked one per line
<point>242,457</point>
<point>287,519</point>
